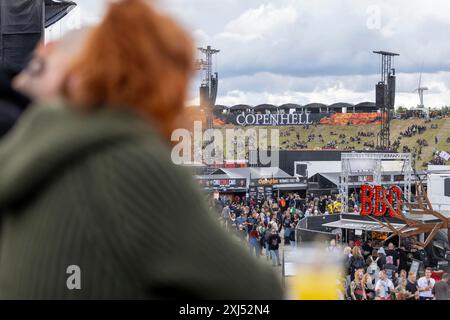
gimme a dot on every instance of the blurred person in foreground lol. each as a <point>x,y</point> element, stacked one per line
<point>88,184</point>
<point>43,77</point>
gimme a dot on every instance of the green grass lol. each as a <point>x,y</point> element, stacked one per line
<point>288,136</point>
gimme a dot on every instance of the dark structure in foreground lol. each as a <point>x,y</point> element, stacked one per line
<point>22,25</point>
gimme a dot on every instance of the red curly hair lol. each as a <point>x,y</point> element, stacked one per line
<point>136,58</point>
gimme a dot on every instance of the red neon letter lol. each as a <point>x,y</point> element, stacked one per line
<point>366,200</point>
<point>377,212</point>
<point>398,199</point>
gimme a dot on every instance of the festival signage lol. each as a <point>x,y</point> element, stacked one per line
<point>223,184</point>
<point>262,182</point>
<point>372,201</point>
<point>296,119</point>
<point>293,119</point>
<point>275,181</point>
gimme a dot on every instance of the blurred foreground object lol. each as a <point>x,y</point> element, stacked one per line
<point>56,10</point>
<point>42,78</point>
<point>317,274</point>
<point>12,103</point>
<point>22,26</point>
<point>88,183</point>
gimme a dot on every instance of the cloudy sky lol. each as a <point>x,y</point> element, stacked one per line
<point>303,51</point>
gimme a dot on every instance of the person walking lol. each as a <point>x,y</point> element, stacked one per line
<point>253,240</point>
<point>274,245</point>
<point>262,235</point>
<point>287,221</point>
<point>374,265</point>
<point>226,216</point>
<point>356,262</point>
<point>267,235</point>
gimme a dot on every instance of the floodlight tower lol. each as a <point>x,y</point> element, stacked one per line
<point>210,82</point>
<point>385,96</point>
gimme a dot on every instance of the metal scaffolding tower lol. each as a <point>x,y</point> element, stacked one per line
<point>385,97</point>
<point>210,82</point>
<point>352,164</point>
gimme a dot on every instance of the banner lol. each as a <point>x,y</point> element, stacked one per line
<point>296,119</point>
<point>223,184</point>
<point>444,155</point>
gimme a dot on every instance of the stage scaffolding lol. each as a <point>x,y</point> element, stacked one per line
<point>370,164</point>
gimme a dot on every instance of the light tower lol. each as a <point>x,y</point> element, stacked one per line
<point>385,97</point>
<point>210,82</point>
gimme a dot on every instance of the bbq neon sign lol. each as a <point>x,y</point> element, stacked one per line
<point>373,203</point>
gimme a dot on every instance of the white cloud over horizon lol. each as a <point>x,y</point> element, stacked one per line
<point>302,51</point>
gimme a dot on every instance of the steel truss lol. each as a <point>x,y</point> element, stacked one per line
<point>374,170</point>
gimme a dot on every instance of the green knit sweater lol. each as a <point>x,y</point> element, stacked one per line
<point>100,192</point>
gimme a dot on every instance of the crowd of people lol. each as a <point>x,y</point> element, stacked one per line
<point>413,130</point>
<point>437,159</point>
<point>243,215</point>
<point>260,223</point>
<point>367,140</point>
<point>366,134</point>
<point>433,114</point>
<point>374,272</point>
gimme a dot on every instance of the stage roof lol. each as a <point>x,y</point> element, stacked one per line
<point>333,177</point>
<point>251,173</point>
<point>361,225</point>
<point>56,10</point>
<point>291,187</point>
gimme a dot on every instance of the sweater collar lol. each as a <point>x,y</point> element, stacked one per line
<point>47,138</point>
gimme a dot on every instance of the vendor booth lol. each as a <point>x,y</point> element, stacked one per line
<point>343,227</point>
<point>256,183</point>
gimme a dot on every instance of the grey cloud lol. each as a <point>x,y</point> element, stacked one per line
<point>306,49</point>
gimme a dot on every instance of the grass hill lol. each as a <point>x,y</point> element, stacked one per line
<point>295,138</point>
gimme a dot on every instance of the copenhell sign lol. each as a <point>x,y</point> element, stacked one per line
<point>372,204</point>
<point>250,119</point>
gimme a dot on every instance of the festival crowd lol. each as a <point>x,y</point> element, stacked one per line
<point>372,271</point>
<point>260,223</point>
<point>375,272</point>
